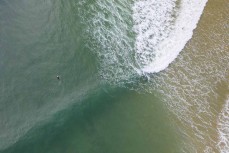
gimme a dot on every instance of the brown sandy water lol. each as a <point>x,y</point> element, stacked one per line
<point>196,83</point>
<point>211,58</point>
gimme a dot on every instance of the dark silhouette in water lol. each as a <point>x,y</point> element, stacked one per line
<point>58,78</point>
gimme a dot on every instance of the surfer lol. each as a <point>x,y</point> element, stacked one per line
<point>58,77</point>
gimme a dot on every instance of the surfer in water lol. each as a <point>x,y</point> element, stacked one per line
<point>58,77</point>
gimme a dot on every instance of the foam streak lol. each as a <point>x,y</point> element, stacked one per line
<point>223,129</point>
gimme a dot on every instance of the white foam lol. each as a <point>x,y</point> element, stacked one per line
<point>163,28</point>
<point>223,129</point>
<point>109,27</point>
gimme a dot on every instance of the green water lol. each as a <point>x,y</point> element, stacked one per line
<point>80,113</point>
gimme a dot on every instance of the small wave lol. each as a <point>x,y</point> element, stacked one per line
<point>163,28</point>
<point>223,129</point>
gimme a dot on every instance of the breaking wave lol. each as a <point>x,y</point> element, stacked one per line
<point>163,28</point>
<point>133,38</point>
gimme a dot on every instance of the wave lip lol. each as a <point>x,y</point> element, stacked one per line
<point>163,28</point>
<point>223,129</point>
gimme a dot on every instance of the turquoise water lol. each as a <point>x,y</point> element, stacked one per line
<point>90,109</point>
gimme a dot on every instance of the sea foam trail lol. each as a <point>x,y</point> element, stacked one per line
<point>163,28</point>
<point>223,129</point>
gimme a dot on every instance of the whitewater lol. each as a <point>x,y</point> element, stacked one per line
<point>140,37</point>
<point>163,28</point>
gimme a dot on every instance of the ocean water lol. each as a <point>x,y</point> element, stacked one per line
<point>136,76</point>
